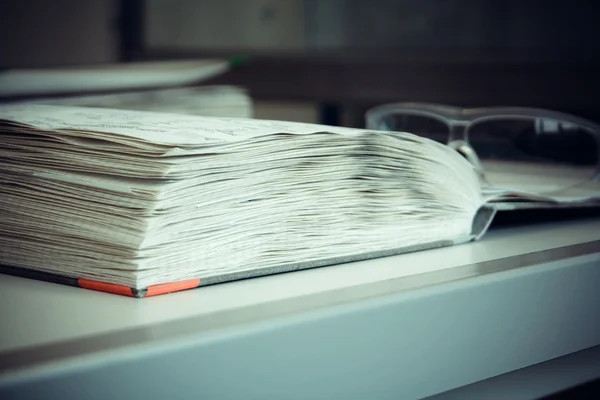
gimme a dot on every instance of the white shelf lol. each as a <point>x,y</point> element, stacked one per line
<point>521,296</point>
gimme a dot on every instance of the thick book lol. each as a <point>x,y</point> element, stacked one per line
<point>140,204</point>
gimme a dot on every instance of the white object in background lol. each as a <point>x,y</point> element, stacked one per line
<point>108,77</point>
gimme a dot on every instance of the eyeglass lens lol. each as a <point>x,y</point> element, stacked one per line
<point>525,153</point>
<point>534,154</point>
<point>423,126</point>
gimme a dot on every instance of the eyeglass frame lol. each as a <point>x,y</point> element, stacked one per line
<point>458,120</point>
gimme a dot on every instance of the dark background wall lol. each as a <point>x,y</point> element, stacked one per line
<point>37,33</point>
<point>337,57</point>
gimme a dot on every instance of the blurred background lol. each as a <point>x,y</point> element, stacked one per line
<point>329,61</point>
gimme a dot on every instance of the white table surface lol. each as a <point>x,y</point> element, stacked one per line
<point>35,313</point>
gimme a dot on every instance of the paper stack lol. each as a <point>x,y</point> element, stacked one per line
<point>166,86</point>
<point>136,199</point>
<point>210,101</point>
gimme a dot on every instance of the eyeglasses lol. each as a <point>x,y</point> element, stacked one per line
<point>512,147</point>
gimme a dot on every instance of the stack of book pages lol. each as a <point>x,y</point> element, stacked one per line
<point>142,203</point>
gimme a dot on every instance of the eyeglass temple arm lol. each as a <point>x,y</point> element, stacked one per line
<point>467,151</point>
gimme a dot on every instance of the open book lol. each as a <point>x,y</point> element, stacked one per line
<point>141,203</point>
